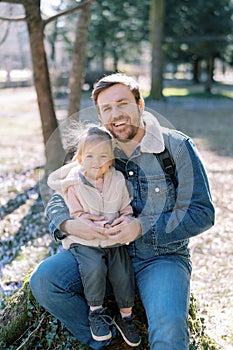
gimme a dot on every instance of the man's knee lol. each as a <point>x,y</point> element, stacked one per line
<point>38,281</point>
<point>169,332</point>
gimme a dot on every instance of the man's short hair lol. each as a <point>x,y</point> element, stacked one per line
<point>116,78</point>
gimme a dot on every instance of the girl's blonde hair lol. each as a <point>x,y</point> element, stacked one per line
<point>91,135</point>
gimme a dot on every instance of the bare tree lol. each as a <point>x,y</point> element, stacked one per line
<point>77,74</point>
<point>54,152</point>
<point>156,32</point>
<point>5,31</point>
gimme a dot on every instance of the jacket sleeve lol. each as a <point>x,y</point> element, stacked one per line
<point>61,178</point>
<point>193,212</point>
<point>57,212</point>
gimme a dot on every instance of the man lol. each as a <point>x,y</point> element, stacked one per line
<point>166,216</point>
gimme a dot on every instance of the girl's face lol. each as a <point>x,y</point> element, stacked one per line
<point>96,158</point>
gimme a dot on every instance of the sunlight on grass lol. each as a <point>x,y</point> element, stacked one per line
<point>194,90</point>
<point>175,92</point>
<point>227,93</point>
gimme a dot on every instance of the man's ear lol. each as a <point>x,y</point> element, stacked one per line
<point>141,105</point>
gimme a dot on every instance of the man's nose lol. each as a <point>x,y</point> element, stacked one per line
<point>116,111</point>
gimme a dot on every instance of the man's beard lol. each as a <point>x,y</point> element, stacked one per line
<point>131,133</point>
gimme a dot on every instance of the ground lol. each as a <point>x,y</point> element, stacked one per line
<point>213,258</point>
<point>24,233</point>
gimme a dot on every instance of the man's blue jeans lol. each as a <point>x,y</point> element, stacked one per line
<point>164,288</point>
<point>163,283</point>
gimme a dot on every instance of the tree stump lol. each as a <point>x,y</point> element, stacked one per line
<point>25,325</point>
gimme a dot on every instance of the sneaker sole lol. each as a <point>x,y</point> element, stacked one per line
<point>124,337</point>
<point>103,337</point>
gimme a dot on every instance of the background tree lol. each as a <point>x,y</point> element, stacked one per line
<point>156,38</point>
<point>200,31</point>
<point>54,152</point>
<point>51,38</point>
<point>117,30</point>
<point>194,33</point>
<point>79,56</point>
<point>5,30</point>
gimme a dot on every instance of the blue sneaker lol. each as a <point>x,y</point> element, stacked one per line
<point>127,327</point>
<point>99,324</point>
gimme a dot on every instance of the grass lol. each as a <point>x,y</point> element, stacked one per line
<point>188,89</point>
<point>168,92</point>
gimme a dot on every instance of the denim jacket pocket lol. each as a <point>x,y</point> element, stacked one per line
<point>181,247</point>
<point>152,195</point>
<point>158,196</point>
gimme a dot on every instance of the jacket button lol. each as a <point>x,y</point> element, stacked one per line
<point>157,189</point>
<point>131,172</point>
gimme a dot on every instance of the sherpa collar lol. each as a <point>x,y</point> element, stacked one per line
<point>152,141</point>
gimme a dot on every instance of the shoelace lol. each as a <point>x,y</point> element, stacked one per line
<point>131,324</point>
<point>106,319</point>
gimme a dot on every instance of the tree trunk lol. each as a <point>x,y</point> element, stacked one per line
<point>102,57</point>
<point>115,61</point>
<point>196,71</point>
<point>156,32</point>
<point>209,73</point>
<point>53,147</point>
<point>79,55</point>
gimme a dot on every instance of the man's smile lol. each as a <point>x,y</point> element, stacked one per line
<point>120,121</point>
<point>116,124</point>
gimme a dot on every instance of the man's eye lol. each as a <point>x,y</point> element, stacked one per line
<point>123,104</point>
<point>106,109</point>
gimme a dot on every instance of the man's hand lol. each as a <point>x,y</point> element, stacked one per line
<point>124,230</point>
<point>83,227</point>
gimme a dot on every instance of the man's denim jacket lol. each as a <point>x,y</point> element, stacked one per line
<point>169,216</point>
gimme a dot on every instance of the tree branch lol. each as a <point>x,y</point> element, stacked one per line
<point>5,34</point>
<point>48,20</point>
<point>20,2</point>
<point>66,12</point>
<point>13,19</point>
<point>31,334</point>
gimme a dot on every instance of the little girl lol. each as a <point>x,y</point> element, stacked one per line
<point>91,185</point>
